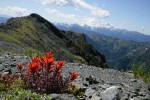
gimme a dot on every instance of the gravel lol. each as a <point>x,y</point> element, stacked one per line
<point>97,83</point>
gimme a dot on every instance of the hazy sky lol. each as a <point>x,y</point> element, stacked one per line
<point>125,14</point>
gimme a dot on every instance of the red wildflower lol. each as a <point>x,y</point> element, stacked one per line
<point>19,66</point>
<point>73,75</point>
<point>35,59</point>
<point>33,67</point>
<point>49,55</point>
<point>46,61</point>
<point>61,63</point>
<point>50,60</point>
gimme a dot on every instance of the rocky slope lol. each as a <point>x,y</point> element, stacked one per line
<point>36,33</point>
<point>96,83</point>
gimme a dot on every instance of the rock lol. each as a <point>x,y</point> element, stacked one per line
<point>8,70</point>
<point>132,95</point>
<point>149,86</point>
<point>62,97</point>
<point>104,87</point>
<point>90,92</point>
<point>1,68</point>
<point>5,73</point>
<point>85,84</point>
<point>139,98</point>
<point>95,97</point>
<point>134,80</point>
<point>112,93</point>
<point>142,93</point>
<point>13,64</point>
<point>92,80</point>
<point>0,61</point>
<point>147,97</point>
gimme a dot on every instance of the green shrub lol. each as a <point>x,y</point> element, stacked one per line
<point>18,91</point>
<point>75,91</point>
<point>140,72</point>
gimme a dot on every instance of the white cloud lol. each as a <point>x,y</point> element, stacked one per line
<point>56,2</point>
<point>70,18</point>
<point>14,11</point>
<point>94,10</point>
<point>97,11</point>
<point>81,20</point>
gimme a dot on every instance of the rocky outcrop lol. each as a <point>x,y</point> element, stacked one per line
<point>96,83</point>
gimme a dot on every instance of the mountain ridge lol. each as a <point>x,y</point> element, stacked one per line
<point>35,32</point>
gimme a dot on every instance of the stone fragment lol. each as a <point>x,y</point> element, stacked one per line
<point>112,93</point>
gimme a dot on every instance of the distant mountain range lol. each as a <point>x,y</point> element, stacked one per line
<point>36,33</point>
<point>3,19</point>
<point>121,54</point>
<point>109,31</point>
<point>121,48</point>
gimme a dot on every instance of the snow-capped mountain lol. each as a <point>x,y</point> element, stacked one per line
<point>105,29</point>
<point>95,23</point>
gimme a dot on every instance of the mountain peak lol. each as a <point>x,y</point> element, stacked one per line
<point>38,17</point>
<point>34,15</point>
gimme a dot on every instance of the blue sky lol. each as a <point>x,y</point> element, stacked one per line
<point>132,15</point>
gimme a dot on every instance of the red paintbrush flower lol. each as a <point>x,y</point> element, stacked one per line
<point>46,61</point>
<point>49,55</point>
<point>19,66</point>
<point>73,75</point>
<point>33,67</point>
<point>59,65</point>
<point>50,60</point>
<point>35,59</point>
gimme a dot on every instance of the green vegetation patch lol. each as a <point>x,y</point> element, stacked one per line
<point>32,52</point>
<point>78,59</point>
<point>10,38</point>
<point>17,92</point>
<point>26,28</point>
<point>140,72</point>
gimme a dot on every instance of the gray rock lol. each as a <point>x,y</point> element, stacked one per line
<point>134,80</point>
<point>95,97</point>
<point>62,97</point>
<point>112,93</point>
<point>1,68</point>
<point>90,92</point>
<point>147,97</point>
<point>149,86</point>
<point>92,80</point>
